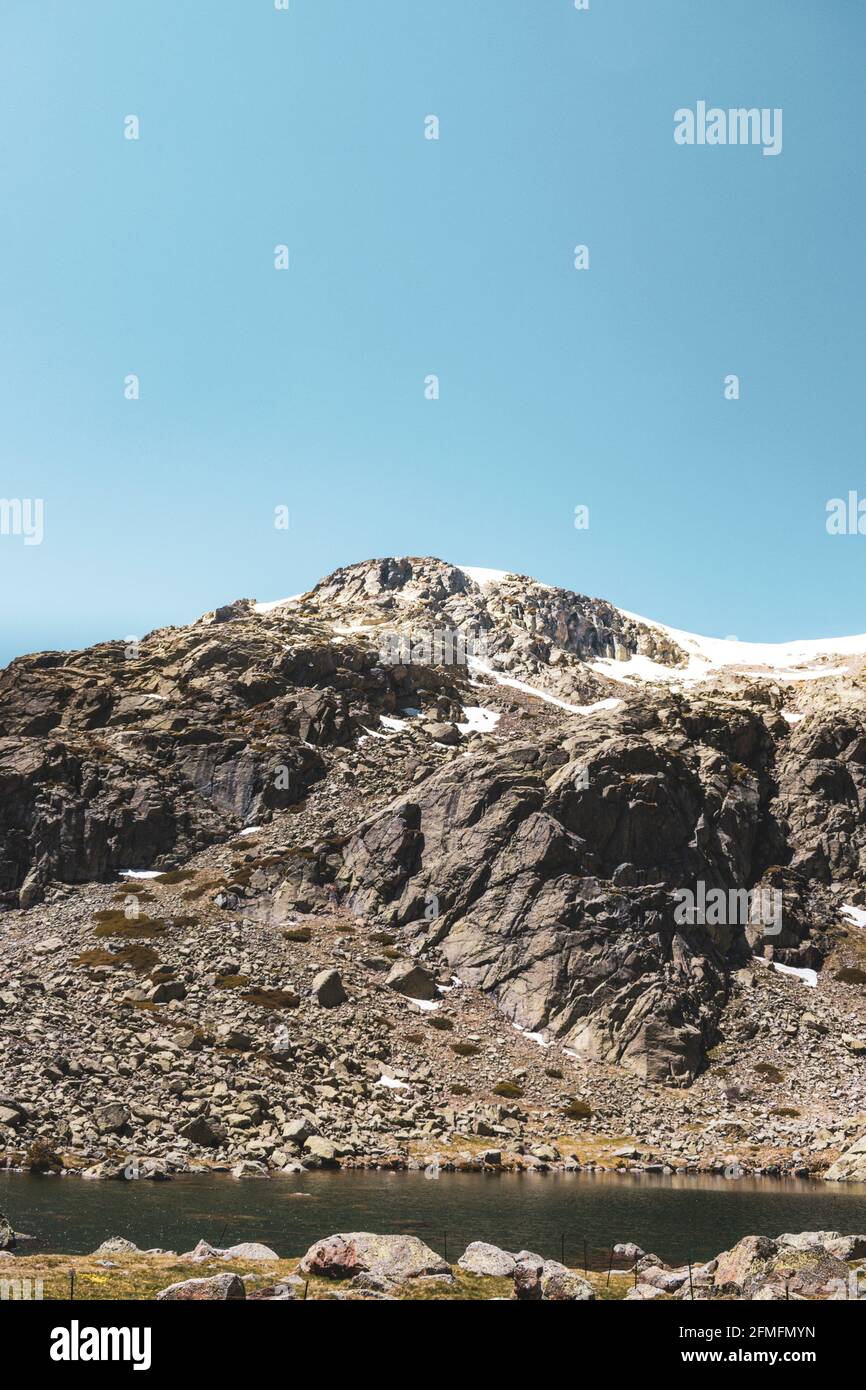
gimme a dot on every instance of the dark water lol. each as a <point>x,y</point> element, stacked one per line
<point>677,1217</point>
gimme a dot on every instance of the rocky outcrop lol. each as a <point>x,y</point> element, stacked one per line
<point>391,1258</point>
<point>851,1165</point>
<point>554,869</point>
<point>220,1288</point>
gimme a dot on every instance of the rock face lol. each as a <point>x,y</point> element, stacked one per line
<point>393,1258</point>
<point>508,827</point>
<point>127,753</point>
<point>522,860</point>
<point>851,1166</point>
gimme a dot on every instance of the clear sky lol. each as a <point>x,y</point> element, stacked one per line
<point>305,388</point>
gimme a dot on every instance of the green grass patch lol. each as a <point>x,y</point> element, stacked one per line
<point>137,957</point>
<point>272,998</point>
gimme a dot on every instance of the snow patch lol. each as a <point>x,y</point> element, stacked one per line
<point>809,977</point>
<point>252,830</point>
<point>785,661</point>
<point>479,720</point>
<point>855,915</point>
<point>389,722</point>
<point>482,577</point>
<point>477,665</point>
<point>532,1037</point>
<point>392,1083</point>
<point>141,873</point>
<point>276,603</point>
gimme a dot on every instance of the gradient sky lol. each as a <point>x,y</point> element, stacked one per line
<point>305,388</point>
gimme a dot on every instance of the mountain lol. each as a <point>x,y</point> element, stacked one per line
<point>482,801</point>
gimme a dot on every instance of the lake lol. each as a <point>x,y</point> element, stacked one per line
<point>677,1217</point>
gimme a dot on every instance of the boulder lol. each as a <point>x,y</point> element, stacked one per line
<point>562,1285</point>
<point>218,1288</point>
<point>117,1245</point>
<point>198,1131</point>
<point>249,1250</point>
<point>112,1118</point>
<point>746,1261</point>
<point>393,1258</point>
<point>328,989</point>
<point>7,1235</point>
<point>851,1165</point>
<point>409,978</point>
<point>297,1131</point>
<point>481,1258</point>
<point>248,1168</point>
<point>319,1147</point>
<point>527,1280</point>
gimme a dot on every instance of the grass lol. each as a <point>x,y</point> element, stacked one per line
<point>142,1277</point>
<point>116,923</point>
<point>769,1072</point>
<point>176,876</point>
<point>851,975</point>
<point>508,1089</point>
<point>272,998</point>
<point>232,981</point>
<point>137,957</point>
<point>303,934</point>
<point>465,1049</point>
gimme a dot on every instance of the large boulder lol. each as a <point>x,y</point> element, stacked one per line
<point>218,1288</point>
<point>409,978</point>
<point>7,1235</point>
<point>747,1261</point>
<point>394,1258</point>
<point>117,1245</point>
<point>198,1131</point>
<point>249,1250</point>
<point>562,1285</point>
<point>481,1258</point>
<point>851,1165</point>
<point>328,989</point>
<point>112,1118</point>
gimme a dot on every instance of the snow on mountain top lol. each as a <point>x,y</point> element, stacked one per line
<point>482,577</point>
<point>788,660</point>
<point>276,603</point>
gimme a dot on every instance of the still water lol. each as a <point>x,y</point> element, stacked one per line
<point>678,1218</point>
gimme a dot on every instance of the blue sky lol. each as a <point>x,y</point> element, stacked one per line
<point>305,388</point>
